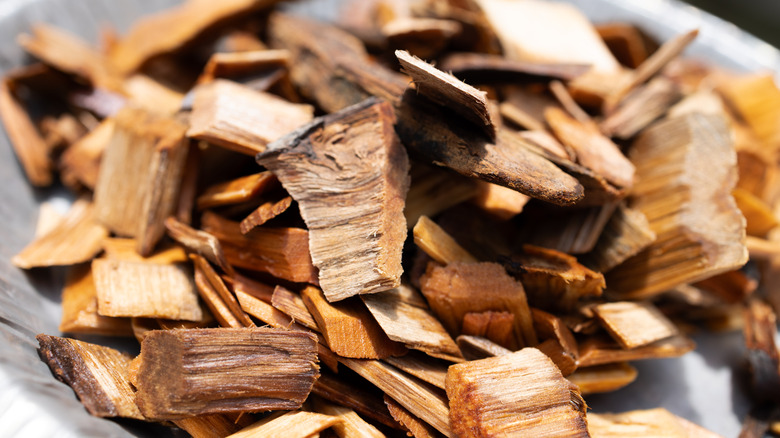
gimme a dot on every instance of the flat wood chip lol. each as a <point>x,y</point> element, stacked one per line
<point>264,213</point>
<point>626,234</point>
<point>237,190</point>
<point>439,245</point>
<point>634,324</point>
<point>296,424</point>
<point>413,425</point>
<point>652,422</point>
<point>603,378</point>
<point>80,307</point>
<point>292,304</point>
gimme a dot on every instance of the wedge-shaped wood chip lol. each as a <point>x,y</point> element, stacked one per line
<point>146,290</point>
<point>759,216</point>
<point>642,107</point>
<point>634,324</point>
<point>549,326</point>
<point>350,175</point>
<point>264,213</point>
<point>296,424</point>
<point>422,400</point>
<point>208,371</point>
<point>629,45</point>
<point>222,313</point>
<point>227,297</point>
<point>405,317</point>
<point>454,290</point>
<point>281,252</point>
<point>518,394</point>
<point>198,241</point>
<point>81,160</point>
<point>236,117</point>
<point>175,28</point>
<point>626,234</point>
<point>80,307</point>
<point>501,202</point>
<point>598,350</point>
<point>349,329</point>
<point>432,239</point>
<point>686,169</point>
<point>413,425</point>
<point>97,374</point>
<point>603,378</point>
<point>652,422</point>
<point>76,239</point>
<point>236,190</point>
<point>140,175</point>
<point>351,425</point>
<point>292,304</point>
<point>449,92</point>
<point>476,347</point>
<point>553,279</point>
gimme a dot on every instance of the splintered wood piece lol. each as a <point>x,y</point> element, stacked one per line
<point>494,326</point>
<point>199,242</point>
<point>567,102</point>
<point>175,28</point>
<point>652,65</point>
<point>434,190</point>
<point>448,91</point>
<point>29,146</point>
<point>756,98</point>
<point>117,248</point>
<point>432,239</point>
<point>652,422</point>
<point>634,324</point>
<point>426,130</point>
<point>140,175</point>
<point>265,212</point>
<point>640,108</point>
<point>518,394</point>
<point>599,350</point>
<point>593,149</point>
<point>296,424</point>
<point>209,371</point>
<point>281,252</point>
<point>760,218</point>
<point>208,426</point>
<point>293,306</point>
<point>553,279</point>
<point>349,329</point>
<point>475,347</point>
<point>565,361</point>
<point>218,307</point>
<point>546,141</point>
<point>227,297</point>
<point>603,378</point>
<point>421,366</point>
<point>76,239</point>
<point>626,234</point>
<point>238,118</point>
<point>351,425</point>
<point>760,330</point>
<point>97,374</point>
<point>413,425</point>
<point>538,31</point>
<point>422,400</point>
<point>686,171</point>
<point>145,290</point>
<point>454,290</point>
<point>353,160</point>
<point>364,399</point>
<point>242,64</point>
<point>548,326</point>
<point>501,202</point>
<point>236,191</point>
<point>482,67</point>
<point>405,317</point>
<point>80,307</point>
<point>626,42</point>
<point>70,54</point>
<point>81,160</point>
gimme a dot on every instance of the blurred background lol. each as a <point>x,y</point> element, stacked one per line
<point>759,17</point>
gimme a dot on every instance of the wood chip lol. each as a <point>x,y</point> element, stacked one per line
<point>293,305</point>
<point>758,215</point>
<point>118,248</point>
<point>494,326</point>
<point>185,372</point>
<point>81,160</point>
<point>364,399</point>
<point>227,297</point>
<point>97,374</point>
<point>598,351</point>
<point>208,426</point>
<point>199,242</point>
<point>501,202</point>
<point>351,425</point>
<point>349,329</point>
<point>626,234</point>
<point>296,424</point>
<point>423,37</point>
<point>423,367</point>
<point>265,212</point>
<point>756,98</point>
<point>448,91</point>
<point>627,42</point>
<point>439,245</point>
<point>475,347</point>
<point>238,118</point>
<point>481,67</point>
<point>652,422</point>
<point>145,290</point>
<point>353,160</point>
<point>642,107</point>
<point>80,307</point>
<point>634,324</point>
<point>237,190</point>
<point>239,65</point>
<point>518,394</point>
<point>603,378</point>
<point>76,239</point>
<point>413,425</point>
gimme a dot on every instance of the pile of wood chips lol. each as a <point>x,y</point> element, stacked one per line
<point>578,196</point>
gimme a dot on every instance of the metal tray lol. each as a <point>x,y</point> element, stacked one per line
<point>703,386</point>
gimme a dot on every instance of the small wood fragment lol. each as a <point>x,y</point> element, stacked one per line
<point>198,241</point>
<point>448,91</point>
<point>352,159</point>
<point>349,329</point>
<point>405,317</point>
<point>634,324</point>
<point>81,160</point>
<point>202,265</point>
<point>567,102</point>
<point>492,325</point>
<point>501,202</point>
<point>265,212</point>
<point>640,108</point>
<point>481,67</point>
<point>80,307</point>
<point>145,290</point>
<point>97,374</point>
<point>423,367</point>
<point>237,190</point>
<point>603,378</point>
<point>76,239</point>
<point>239,65</point>
<point>351,425</point>
<point>626,234</point>
<point>252,287</point>
<point>518,394</point>
<point>238,118</point>
<point>564,360</point>
<point>413,425</point>
<point>573,231</point>
<point>475,347</point>
<point>293,305</point>
<point>597,350</point>
<point>208,426</point>
<point>216,304</point>
<point>549,326</point>
<point>295,424</point>
<point>183,372</point>
<point>429,237</point>
<point>626,42</point>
